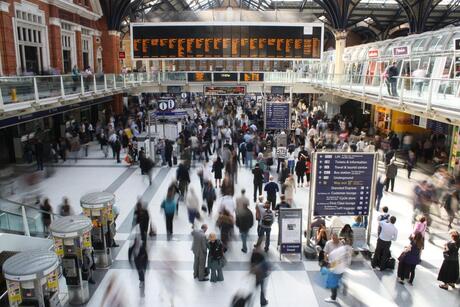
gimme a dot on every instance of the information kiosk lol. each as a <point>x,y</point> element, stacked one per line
<point>32,279</point>
<point>98,207</point>
<point>72,236</point>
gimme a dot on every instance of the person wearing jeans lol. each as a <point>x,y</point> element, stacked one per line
<point>266,218</point>
<point>244,222</point>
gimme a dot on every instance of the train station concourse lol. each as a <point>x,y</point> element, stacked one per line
<point>240,153</point>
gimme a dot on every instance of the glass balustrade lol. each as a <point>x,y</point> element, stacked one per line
<point>72,84</point>
<point>110,78</point>
<point>14,216</point>
<point>100,85</point>
<point>48,86</point>
<point>17,89</point>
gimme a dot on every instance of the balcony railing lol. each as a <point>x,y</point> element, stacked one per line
<point>426,94</point>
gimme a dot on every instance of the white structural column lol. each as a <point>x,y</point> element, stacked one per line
<point>340,44</point>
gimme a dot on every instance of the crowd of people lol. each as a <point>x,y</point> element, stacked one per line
<point>223,136</point>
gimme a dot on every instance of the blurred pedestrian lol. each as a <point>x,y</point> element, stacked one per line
<point>261,270</point>
<point>65,209</point>
<point>47,211</point>
<point>137,253</point>
<point>244,222</point>
<point>266,219</point>
<point>209,195</point>
<point>169,206</point>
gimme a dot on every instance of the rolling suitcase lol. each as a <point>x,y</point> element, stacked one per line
<point>175,160</point>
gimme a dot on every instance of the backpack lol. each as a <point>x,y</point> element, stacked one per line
<point>267,219</point>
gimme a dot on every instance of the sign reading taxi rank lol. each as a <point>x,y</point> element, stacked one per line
<point>227,40</point>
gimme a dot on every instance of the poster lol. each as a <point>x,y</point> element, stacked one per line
<point>14,291</point>
<point>290,234</point>
<point>87,212</point>
<point>58,247</point>
<point>52,281</point>
<point>290,231</point>
<point>87,240</point>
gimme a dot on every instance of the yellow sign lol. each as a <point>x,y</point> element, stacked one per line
<point>87,240</point>
<point>14,291</point>
<point>87,212</point>
<point>58,247</point>
<point>52,281</point>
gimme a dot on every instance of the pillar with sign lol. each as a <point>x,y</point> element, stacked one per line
<point>98,207</point>
<point>32,279</point>
<point>72,242</point>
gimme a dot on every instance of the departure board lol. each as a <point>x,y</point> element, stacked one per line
<point>199,77</point>
<point>210,41</point>
<point>251,77</point>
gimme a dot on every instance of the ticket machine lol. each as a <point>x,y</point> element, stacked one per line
<point>98,207</point>
<point>72,236</point>
<point>32,279</point>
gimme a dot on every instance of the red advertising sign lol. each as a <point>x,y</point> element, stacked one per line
<point>373,53</point>
<point>121,55</point>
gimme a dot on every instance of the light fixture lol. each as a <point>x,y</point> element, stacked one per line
<point>322,18</point>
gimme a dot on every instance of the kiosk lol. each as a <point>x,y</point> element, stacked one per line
<point>32,279</point>
<point>72,236</point>
<point>98,207</point>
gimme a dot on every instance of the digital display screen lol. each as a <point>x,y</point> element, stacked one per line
<point>251,77</point>
<point>182,41</point>
<point>225,77</point>
<point>199,77</point>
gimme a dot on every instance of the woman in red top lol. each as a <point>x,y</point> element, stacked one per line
<point>308,170</point>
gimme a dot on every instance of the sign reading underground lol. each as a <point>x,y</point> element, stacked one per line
<point>344,183</point>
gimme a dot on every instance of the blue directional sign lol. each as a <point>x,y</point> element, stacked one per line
<point>277,116</point>
<point>343,183</point>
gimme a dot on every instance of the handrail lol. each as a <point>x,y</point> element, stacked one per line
<point>26,206</point>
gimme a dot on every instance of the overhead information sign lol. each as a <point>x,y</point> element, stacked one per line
<point>222,40</point>
<point>343,183</point>
<point>199,77</point>
<point>277,115</point>
<point>224,90</point>
<point>251,77</point>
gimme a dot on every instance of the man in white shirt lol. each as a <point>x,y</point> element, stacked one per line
<point>228,203</point>
<point>331,245</point>
<point>388,233</point>
<point>360,145</point>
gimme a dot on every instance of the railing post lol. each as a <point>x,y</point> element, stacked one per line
<point>1,100</point>
<point>382,80</point>
<point>363,90</point>
<point>82,85</point>
<point>94,83</point>
<point>430,95</point>
<point>24,220</point>
<point>114,81</point>
<point>105,82</point>
<point>37,97</point>
<point>62,87</point>
<point>401,95</point>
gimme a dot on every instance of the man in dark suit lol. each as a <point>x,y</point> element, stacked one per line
<point>200,249</point>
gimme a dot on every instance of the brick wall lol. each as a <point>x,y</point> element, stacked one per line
<point>108,43</point>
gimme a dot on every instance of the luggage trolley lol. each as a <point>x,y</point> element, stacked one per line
<point>98,207</point>
<point>72,237</point>
<point>32,279</point>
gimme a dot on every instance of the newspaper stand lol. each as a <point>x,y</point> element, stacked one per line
<point>98,207</point>
<point>32,279</point>
<point>72,235</point>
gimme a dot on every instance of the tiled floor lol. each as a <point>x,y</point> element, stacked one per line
<point>292,283</point>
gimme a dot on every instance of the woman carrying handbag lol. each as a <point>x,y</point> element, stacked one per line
<point>409,259</point>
